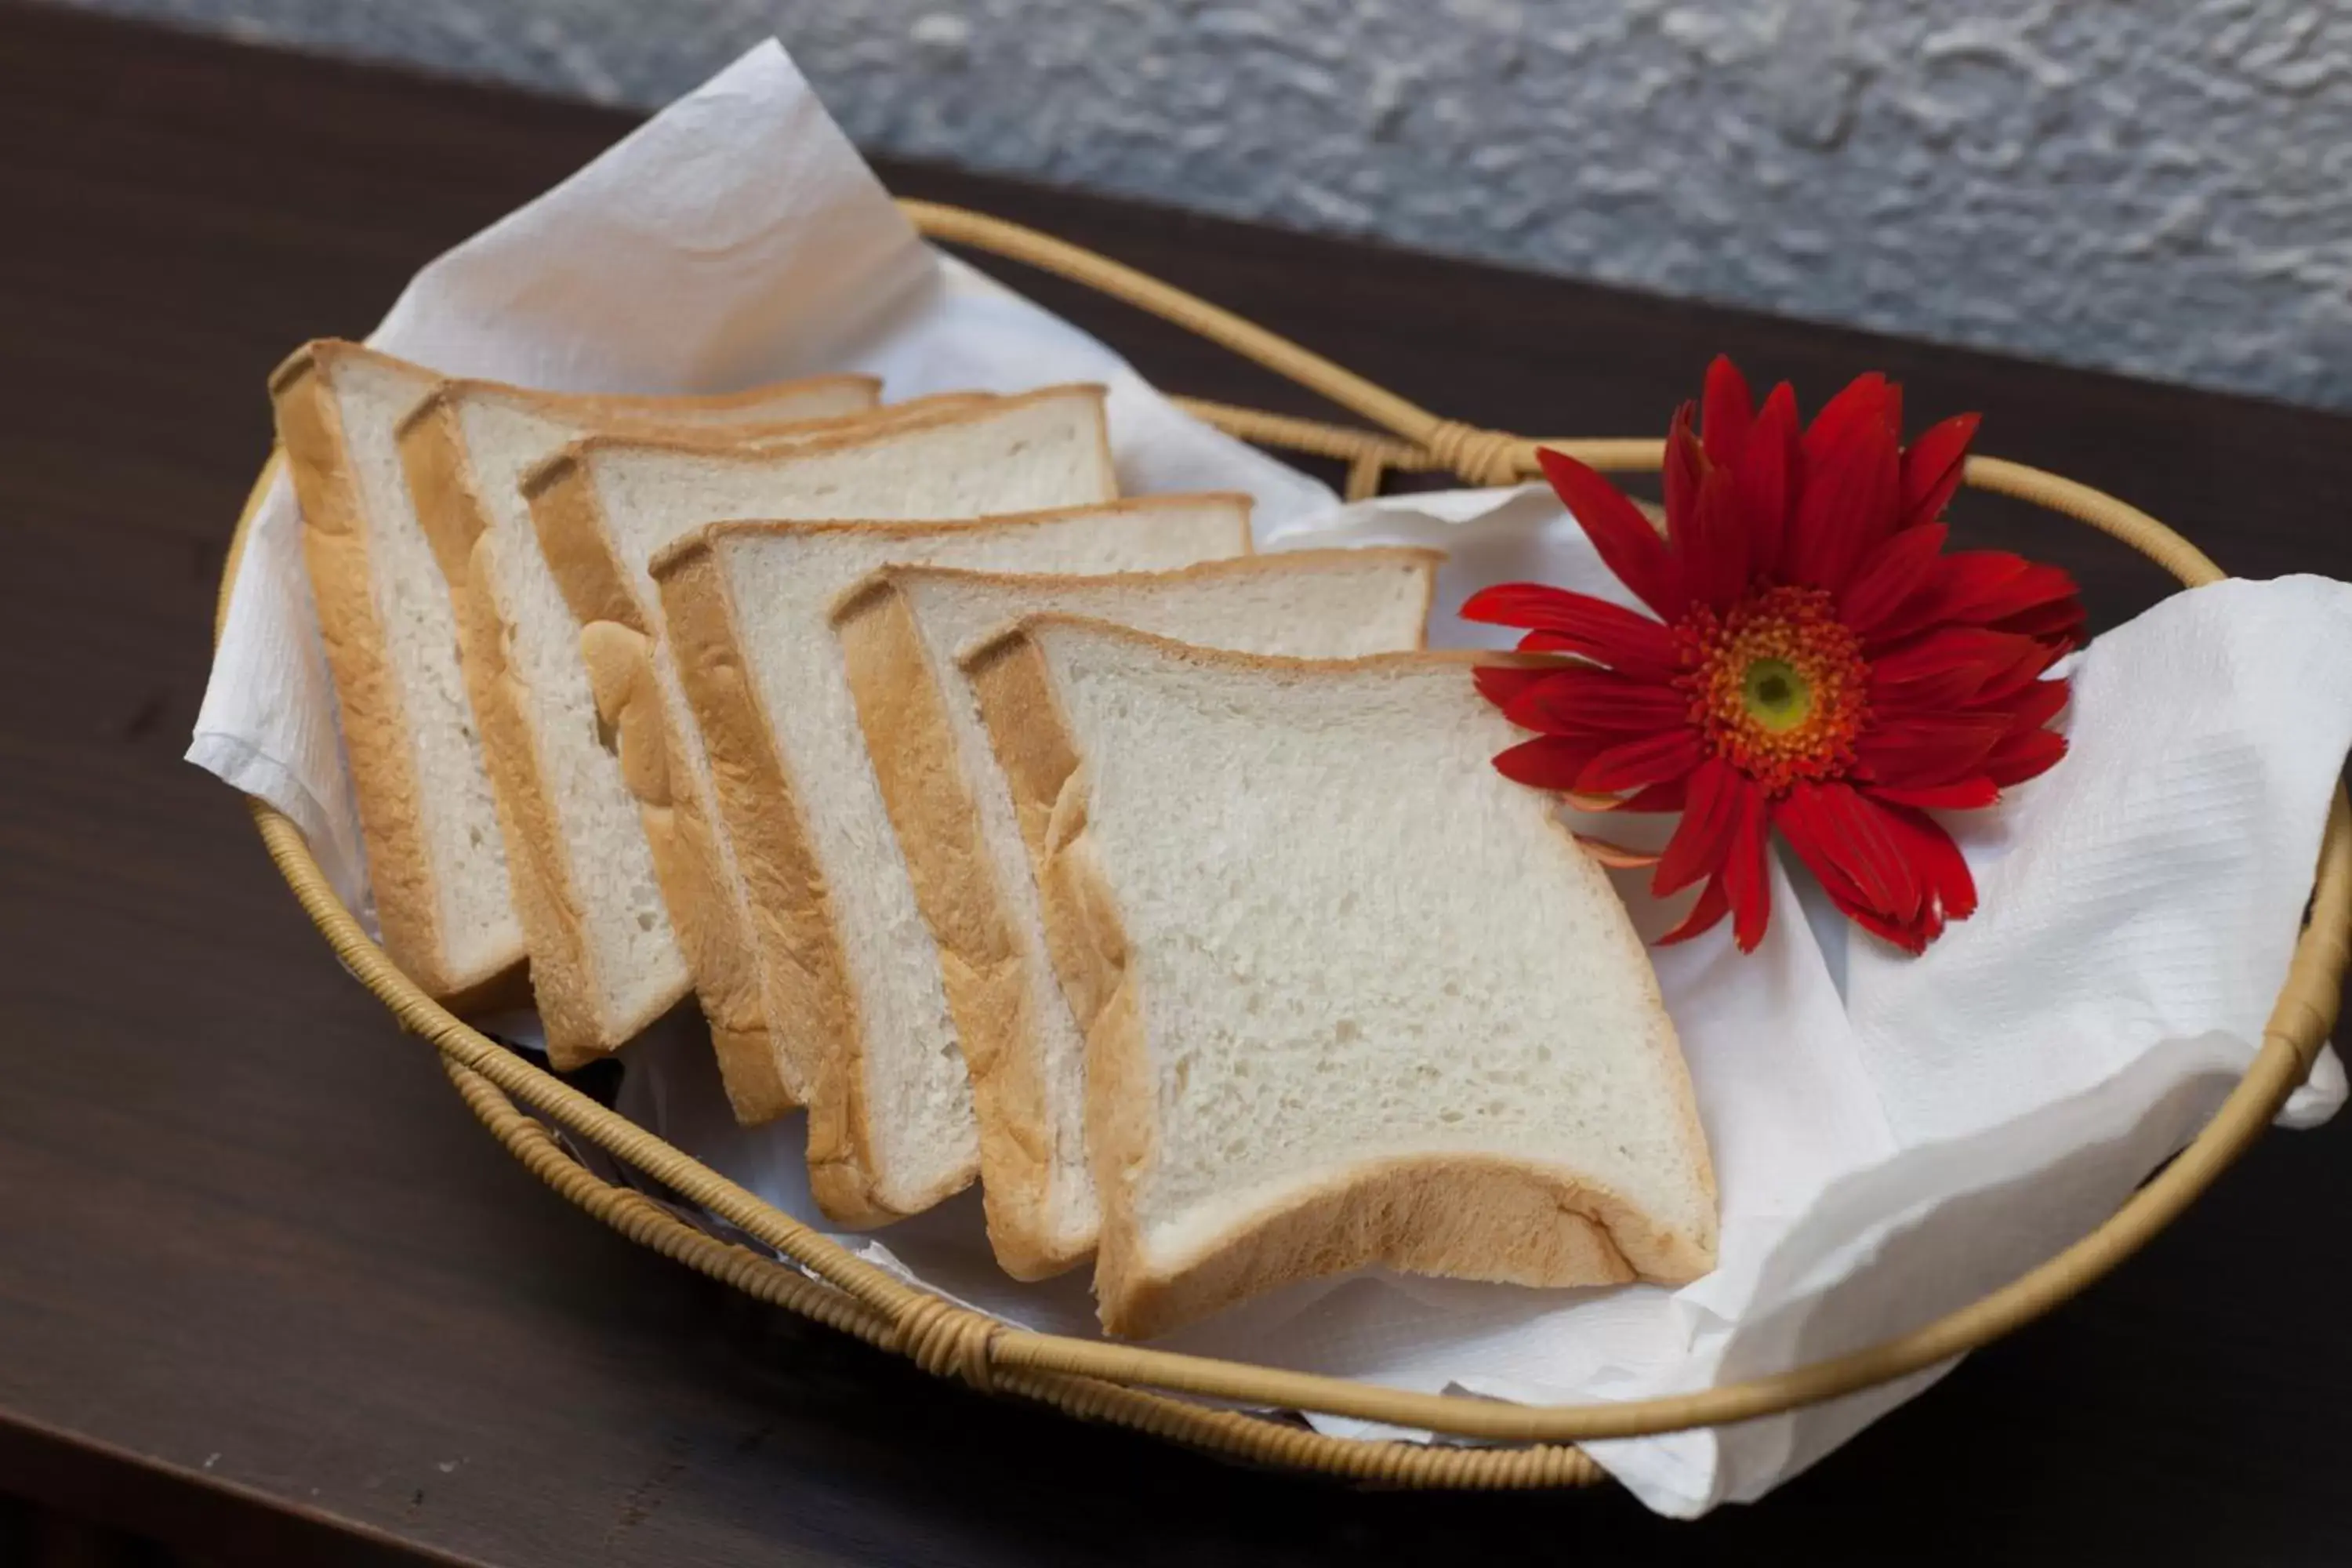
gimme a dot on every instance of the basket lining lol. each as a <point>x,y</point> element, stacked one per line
<point>1114,1383</point>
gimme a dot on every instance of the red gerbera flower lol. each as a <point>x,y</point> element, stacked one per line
<point>1819,665</point>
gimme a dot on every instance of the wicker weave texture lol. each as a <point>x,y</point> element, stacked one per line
<point>1129,1386</point>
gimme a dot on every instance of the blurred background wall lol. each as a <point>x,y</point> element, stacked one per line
<point>2162,188</point>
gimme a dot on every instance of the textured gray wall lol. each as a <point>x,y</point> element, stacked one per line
<point>2162,188</point>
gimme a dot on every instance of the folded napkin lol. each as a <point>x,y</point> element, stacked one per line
<point>1893,1137</point>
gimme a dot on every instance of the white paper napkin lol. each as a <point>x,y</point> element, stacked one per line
<point>734,238</point>
<point>1893,1137</point>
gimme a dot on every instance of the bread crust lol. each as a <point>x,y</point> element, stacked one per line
<point>900,698</point>
<point>563,976</point>
<point>1473,1216</point>
<point>691,865</point>
<point>683,831</point>
<point>657,410</point>
<point>901,710</point>
<point>570,521</point>
<point>899,419</point>
<point>802,976</point>
<point>542,880</point>
<point>816,1036</point>
<point>561,971</point>
<point>1465,1217</point>
<point>374,716</point>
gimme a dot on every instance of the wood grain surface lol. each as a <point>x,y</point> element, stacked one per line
<point>267,1294</point>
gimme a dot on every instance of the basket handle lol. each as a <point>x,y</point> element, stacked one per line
<point>1425,441</point>
<point>1480,456</point>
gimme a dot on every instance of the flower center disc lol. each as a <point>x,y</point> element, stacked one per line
<point>1777,684</point>
<point>1776,694</point>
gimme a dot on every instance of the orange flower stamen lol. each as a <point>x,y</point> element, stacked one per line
<point>1777,684</point>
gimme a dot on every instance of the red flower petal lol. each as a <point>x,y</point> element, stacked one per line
<point>2059,623</point>
<point>1746,879</point>
<point>1712,906</point>
<point>1833,878</point>
<point>1652,759</point>
<point>1670,795</point>
<point>1767,476</point>
<point>1910,935</point>
<point>1728,413</point>
<point>1932,466</point>
<point>1980,586</point>
<point>1503,684</point>
<point>1868,402</point>
<point>1971,794</point>
<point>1851,483</point>
<point>1957,580</point>
<point>2039,703</point>
<point>1947,669</point>
<point>1933,655</point>
<point>1706,527</point>
<point>1972,577</point>
<point>1548,761</point>
<point>1937,750</point>
<point>1711,810</point>
<point>1948,892</point>
<point>1716,552</point>
<point>2026,755</point>
<point>2039,584</point>
<point>1526,604</point>
<point>1888,575</point>
<point>1843,837</point>
<point>2007,686</point>
<point>1681,474</point>
<point>1584,701</point>
<point>1943,871</point>
<point>1627,544</point>
<point>1579,624</point>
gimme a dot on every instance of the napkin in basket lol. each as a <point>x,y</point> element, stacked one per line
<point>735,238</point>
<point>1893,1137</point>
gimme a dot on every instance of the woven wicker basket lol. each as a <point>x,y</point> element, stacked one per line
<point>1129,1386</point>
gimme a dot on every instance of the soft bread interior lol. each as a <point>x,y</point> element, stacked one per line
<point>1014,453</point>
<point>1350,996</point>
<point>604,958</point>
<point>954,815</point>
<point>606,505</point>
<point>437,862</point>
<point>859,1003</point>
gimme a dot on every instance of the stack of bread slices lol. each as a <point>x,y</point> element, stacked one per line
<point>1019,832</point>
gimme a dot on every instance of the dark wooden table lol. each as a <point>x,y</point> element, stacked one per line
<point>266,1292</point>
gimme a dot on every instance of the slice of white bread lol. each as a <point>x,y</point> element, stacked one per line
<point>436,863</point>
<point>605,960</point>
<point>604,506</point>
<point>1350,996</point>
<point>855,998</point>
<point>902,633</point>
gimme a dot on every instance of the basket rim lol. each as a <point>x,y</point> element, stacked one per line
<point>949,1339</point>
